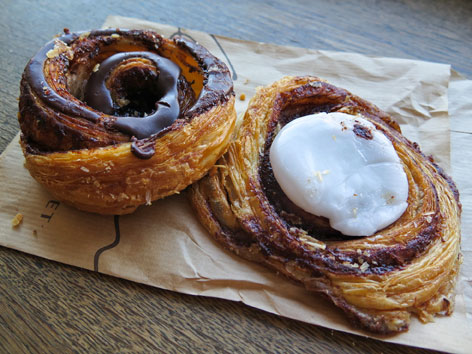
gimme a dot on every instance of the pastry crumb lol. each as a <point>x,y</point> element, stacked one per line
<point>315,84</point>
<point>148,198</point>
<point>52,53</point>
<point>246,81</point>
<point>17,220</point>
<point>364,266</point>
<point>242,97</point>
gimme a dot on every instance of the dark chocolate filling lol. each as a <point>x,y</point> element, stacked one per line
<point>285,208</point>
<point>288,211</point>
<point>288,107</point>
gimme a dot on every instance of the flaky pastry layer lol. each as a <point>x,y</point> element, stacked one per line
<point>410,267</point>
<point>78,154</point>
<point>111,180</point>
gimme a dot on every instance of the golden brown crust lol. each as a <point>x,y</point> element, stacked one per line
<point>378,281</point>
<point>77,154</point>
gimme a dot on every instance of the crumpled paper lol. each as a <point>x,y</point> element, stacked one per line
<point>164,245</point>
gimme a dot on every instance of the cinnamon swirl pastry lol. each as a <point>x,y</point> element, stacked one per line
<point>378,270</point>
<point>113,119</point>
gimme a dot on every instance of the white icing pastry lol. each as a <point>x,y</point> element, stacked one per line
<point>341,167</point>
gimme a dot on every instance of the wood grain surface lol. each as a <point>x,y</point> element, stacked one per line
<point>49,307</point>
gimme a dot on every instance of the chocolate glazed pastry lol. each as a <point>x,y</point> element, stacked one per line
<point>408,267</point>
<point>113,119</point>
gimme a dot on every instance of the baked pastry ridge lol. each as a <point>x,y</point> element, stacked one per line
<point>409,267</point>
<point>170,117</point>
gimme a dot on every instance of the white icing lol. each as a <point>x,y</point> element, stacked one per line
<point>327,170</point>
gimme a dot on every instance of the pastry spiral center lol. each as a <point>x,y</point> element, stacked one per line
<point>141,86</point>
<point>341,167</point>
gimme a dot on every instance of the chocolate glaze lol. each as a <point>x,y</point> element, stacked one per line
<point>144,149</point>
<point>218,85</point>
<point>64,113</point>
<point>98,96</point>
<point>34,75</point>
